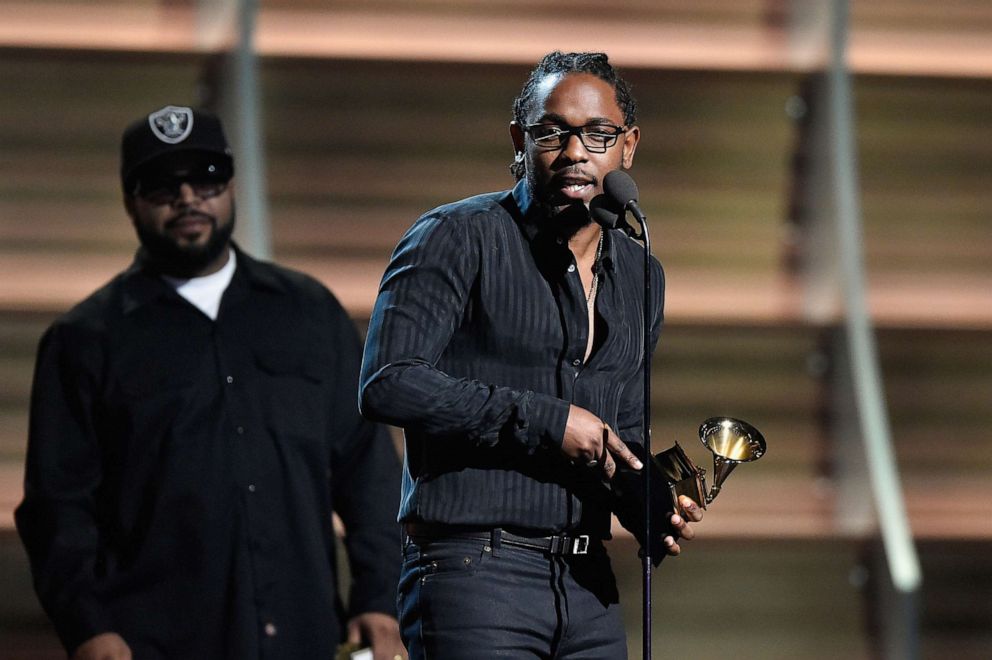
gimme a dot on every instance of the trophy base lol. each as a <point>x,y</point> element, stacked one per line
<point>672,474</point>
<point>682,476</point>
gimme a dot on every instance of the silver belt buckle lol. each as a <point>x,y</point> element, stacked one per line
<point>580,545</point>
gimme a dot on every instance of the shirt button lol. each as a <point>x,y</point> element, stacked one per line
<point>576,362</point>
<point>229,379</point>
<point>571,268</point>
<point>270,629</point>
<point>241,430</point>
<point>251,488</point>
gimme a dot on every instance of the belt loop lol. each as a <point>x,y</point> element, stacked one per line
<point>495,538</point>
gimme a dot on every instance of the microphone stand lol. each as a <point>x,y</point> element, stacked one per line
<point>645,238</point>
<point>646,429</point>
<point>627,189</point>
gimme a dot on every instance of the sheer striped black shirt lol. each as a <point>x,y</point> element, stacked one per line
<point>475,348</point>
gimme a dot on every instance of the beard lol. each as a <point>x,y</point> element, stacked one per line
<point>564,219</point>
<point>172,258</point>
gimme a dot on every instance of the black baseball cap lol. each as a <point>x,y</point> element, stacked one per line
<point>160,136</point>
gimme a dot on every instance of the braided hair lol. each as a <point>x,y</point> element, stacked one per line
<point>557,62</point>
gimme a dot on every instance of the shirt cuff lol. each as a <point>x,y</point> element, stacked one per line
<point>546,417</point>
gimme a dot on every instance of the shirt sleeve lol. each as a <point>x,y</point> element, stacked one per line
<point>425,293</point>
<point>630,416</point>
<point>365,482</point>
<point>56,519</point>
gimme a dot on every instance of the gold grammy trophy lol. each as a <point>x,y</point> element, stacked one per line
<point>731,441</point>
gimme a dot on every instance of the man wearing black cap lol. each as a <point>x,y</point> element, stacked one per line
<point>193,424</point>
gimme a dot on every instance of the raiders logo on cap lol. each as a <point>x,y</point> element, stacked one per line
<point>171,124</point>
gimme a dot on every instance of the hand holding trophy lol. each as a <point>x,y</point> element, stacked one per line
<point>731,441</point>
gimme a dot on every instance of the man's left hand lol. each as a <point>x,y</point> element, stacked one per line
<point>694,513</point>
<point>381,631</point>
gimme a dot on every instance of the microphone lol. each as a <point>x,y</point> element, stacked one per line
<point>606,213</point>
<point>622,191</point>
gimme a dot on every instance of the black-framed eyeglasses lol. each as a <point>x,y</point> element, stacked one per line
<point>596,138</point>
<point>165,190</point>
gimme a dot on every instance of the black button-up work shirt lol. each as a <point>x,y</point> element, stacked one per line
<point>476,347</point>
<point>181,471</point>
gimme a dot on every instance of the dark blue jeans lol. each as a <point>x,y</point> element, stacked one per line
<point>463,599</point>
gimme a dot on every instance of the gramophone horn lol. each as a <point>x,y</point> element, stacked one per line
<point>732,441</point>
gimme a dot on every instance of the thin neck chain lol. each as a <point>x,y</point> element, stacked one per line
<point>595,271</point>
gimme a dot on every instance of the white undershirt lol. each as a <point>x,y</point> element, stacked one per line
<point>205,292</point>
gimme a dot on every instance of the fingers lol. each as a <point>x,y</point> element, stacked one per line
<point>382,633</point>
<point>354,632</point>
<point>609,465</point>
<point>616,446</point>
<point>583,439</point>
<point>682,528</point>
<point>692,511</point>
<point>591,443</point>
<point>682,531</point>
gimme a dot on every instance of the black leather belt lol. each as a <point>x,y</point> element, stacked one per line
<point>558,544</point>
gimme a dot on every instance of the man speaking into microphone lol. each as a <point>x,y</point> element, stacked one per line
<point>507,342</point>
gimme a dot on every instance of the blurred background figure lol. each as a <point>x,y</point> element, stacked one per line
<point>333,109</point>
<point>193,426</point>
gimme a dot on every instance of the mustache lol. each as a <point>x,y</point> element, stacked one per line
<point>573,172</point>
<point>189,214</point>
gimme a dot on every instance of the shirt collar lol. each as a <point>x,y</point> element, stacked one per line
<point>525,202</point>
<point>535,226</point>
<point>142,285</point>
<point>256,273</point>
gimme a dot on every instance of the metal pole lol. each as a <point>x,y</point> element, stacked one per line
<point>254,231</point>
<point>901,625</point>
<point>646,431</point>
<point>869,491</point>
<point>227,27</point>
